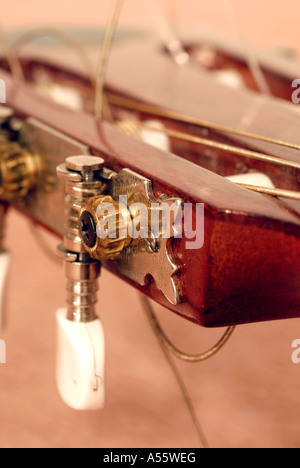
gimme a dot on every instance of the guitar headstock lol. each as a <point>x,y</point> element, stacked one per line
<point>185,192</point>
<point>164,192</point>
<point>241,231</point>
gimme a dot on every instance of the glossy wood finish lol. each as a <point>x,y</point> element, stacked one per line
<point>249,267</point>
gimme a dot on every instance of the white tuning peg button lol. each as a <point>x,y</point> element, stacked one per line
<point>80,362</point>
<point>4,268</point>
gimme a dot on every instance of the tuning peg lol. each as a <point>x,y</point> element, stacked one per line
<point>80,336</point>
<point>80,362</point>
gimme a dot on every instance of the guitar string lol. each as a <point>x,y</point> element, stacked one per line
<point>252,61</point>
<point>160,337</point>
<point>11,56</point>
<point>171,42</point>
<point>104,57</point>
<point>72,43</point>
<point>276,192</point>
<point>173,349</point>
<point>222,146</point>
<point>139,106</point>
<point>61,36</point>
<point>165,33</point>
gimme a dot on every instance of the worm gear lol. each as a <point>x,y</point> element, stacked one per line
<point>19,171</point>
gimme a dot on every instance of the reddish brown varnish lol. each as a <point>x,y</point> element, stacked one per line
<point>249,267</point>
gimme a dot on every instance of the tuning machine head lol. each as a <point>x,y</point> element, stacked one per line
<point>20,171</point>
<point>80,335</point>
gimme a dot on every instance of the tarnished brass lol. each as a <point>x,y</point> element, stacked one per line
<point>19,171</point>
<point>18,166</point>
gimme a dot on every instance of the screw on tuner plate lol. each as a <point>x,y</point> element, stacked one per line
<point>109,225</point>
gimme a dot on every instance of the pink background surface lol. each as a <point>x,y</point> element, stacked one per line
<point>262,22</point>
<point>247,396</point>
